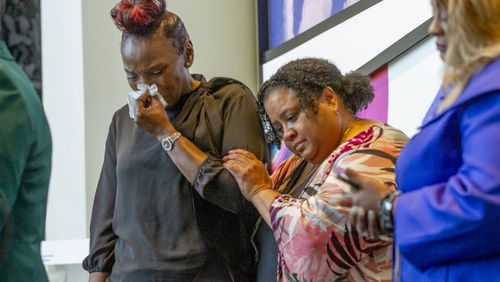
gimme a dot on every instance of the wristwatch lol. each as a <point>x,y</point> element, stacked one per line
<point>386,213</point>
<point>168,142</point>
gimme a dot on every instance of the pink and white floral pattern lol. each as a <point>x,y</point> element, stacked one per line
<point>316,241</point>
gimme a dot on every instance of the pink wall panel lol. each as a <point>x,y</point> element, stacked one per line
<point>378,108</point>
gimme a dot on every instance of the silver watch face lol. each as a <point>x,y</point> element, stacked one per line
<point>166,144</point>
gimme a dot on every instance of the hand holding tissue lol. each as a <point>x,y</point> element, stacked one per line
<point>134,95</point>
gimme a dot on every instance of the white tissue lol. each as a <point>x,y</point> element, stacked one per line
<point>142,88</point>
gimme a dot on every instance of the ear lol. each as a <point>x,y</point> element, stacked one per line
<point>188,53</point>
<point>329,97</point>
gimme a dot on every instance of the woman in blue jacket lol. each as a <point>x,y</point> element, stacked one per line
<point>444,219</point>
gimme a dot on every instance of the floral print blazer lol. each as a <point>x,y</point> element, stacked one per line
<point>316,241</point>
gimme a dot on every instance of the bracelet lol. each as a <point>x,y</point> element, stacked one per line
<point>385,212</point>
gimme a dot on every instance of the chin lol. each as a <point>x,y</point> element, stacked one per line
<point>309,156</point>
<point>305,157</point>
<point>319,158</point>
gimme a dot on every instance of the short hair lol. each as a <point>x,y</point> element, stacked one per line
<point>307,78</point>
<point>143,17</point>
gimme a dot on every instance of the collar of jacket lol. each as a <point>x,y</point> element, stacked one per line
<point>484,82</point>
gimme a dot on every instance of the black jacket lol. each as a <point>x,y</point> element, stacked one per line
<point>149,222</point>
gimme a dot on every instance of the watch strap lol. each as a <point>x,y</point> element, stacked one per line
<point>386,212</point>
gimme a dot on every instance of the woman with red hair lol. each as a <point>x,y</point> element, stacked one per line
<point>165,208</point>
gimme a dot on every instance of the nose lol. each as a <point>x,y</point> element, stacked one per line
<point>144,80</point>
<point>289,134</point>
<point>435,28</point>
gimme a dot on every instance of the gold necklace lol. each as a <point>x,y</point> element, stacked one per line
<point>345,133</point>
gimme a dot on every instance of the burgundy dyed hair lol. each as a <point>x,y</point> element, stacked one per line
<point>138,16</point>
<point>143,17</point>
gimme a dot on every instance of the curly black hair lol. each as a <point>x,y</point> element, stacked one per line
<point>307,78</point>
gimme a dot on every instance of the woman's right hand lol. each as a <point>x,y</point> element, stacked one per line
<point>250,173</point>
<point>152,117</point>
<point>366,200</point>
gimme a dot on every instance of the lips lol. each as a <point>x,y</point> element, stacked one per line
<point>441,47</point>
<point>299,146</point>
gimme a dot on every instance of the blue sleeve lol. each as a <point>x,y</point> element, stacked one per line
<point>464,211</point>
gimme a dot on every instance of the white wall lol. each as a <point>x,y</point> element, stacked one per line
<point>105,85</point>
<point>414,79</point>
<point>63,98</point>
<point>224,34</point>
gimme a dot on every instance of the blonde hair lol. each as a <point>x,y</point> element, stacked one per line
<point>473,41</point>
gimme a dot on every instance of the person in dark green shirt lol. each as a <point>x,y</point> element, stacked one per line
<point>25,162</point>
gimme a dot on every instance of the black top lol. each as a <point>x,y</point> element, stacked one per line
<point>150,223</point>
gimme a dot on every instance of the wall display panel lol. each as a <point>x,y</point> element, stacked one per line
<point>355,41</point>
<point>377,110</point>
<point>289,18</point>
<point>377,41</point>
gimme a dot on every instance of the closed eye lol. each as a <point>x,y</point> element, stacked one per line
<point>131,77</point>
<point>291,117</point>
<point>157,72</point>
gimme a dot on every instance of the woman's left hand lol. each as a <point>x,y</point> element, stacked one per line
<point>152,117</point>
<point>250,173</point>
<point>366,200</point>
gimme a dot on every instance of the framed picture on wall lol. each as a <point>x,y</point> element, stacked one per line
<point>289,18</point>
